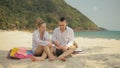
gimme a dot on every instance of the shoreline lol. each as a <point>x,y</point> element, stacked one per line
<point>52,30</point>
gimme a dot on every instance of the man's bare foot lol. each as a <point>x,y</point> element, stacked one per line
<point>33,58</point>
<point>62,58</point>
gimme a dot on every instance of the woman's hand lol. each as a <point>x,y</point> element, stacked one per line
<point>59,47</point>
<point>50,44</point>
<point>56,43</point>
<point>64,48</point>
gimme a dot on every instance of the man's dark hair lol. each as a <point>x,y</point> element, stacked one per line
<point>62,19</point>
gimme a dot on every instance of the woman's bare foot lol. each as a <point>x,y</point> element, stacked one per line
<point>52,58</point>
<point>33,58</point>
<point>62,58</point>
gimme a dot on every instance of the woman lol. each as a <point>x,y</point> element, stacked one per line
<point>41,44</point>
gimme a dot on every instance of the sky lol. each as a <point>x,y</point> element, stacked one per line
<point>104,13</point>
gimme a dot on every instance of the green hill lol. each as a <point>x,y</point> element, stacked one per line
<point>21,14</point>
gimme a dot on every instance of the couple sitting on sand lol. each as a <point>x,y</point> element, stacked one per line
<point>61,45</point>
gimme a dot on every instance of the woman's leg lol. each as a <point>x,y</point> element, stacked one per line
<point>42,58</point>
<point>49,53</point>
<point>38,52</point>
<point>45,51</point>
<point>44,55</point>
<point>53,50</point>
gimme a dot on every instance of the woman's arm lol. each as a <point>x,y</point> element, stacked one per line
<point>38,40</point>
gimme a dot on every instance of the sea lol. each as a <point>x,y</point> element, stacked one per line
<point>99,34</point>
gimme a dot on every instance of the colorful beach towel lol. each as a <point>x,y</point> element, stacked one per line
<point>19,53</point>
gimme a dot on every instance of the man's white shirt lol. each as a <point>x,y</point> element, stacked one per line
<point>65,38</point>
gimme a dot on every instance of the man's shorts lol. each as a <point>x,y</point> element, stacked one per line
<point>59,52</point>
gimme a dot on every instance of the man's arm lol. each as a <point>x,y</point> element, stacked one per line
<point>70,41</point>
<point>71,38</point>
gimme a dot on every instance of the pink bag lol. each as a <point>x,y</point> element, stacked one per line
<point>22,51</point>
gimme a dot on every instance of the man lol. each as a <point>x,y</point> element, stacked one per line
<point>63,38</point>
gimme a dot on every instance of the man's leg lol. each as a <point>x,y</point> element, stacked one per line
<point>67,52</point>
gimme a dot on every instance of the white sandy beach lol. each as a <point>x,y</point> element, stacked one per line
<point>98,52</point>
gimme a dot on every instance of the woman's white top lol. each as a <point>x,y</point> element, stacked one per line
<point>37,41</point>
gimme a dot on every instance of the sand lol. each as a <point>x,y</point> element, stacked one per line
<point>98,52</point>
